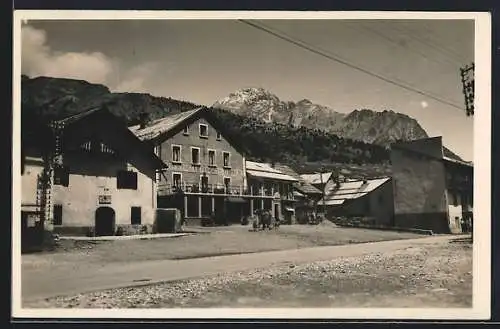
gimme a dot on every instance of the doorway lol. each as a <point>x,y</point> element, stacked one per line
<point>104,221</point>
<point>276,211</point>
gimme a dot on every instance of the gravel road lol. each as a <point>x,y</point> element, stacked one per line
<point>435,275</point>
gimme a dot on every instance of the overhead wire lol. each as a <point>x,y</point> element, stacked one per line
<point>338,59</point>
<point>430,32</point>
<point>451,56</point>
<point>384,36</point>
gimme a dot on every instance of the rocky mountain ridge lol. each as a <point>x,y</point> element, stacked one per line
<point>365,125</point>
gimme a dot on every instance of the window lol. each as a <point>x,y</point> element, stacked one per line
<point>135,215</point>
<point>227,182</point>
<point>57,214</point>
<point>126,179</point>
<point>211,158</point>
<point>61,175</point>
<point>176,179</point>
<point>158,150</point>
<point>204,183</point>
<point>186,130</point>
<point>225,158</point>
<point>219,136</point>
<point>203,130</point>
<point>176,153</point>
<point>195,155</point>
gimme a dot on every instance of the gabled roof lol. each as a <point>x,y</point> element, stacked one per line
<point>163,125</point>
<point>161,129</point>
<point>302,186</point>
<point>76,117</point>
<point>349,190</point>
<point>306,188</point>
<point>287,170</point>
<point>317,178</point>
<point>265,170</point>
<point>100,119</point>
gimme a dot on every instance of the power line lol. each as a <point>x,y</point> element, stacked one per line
<point>392,41</point>
<point>439,49</point>
<point>445,49</point>
<point>336,58</point>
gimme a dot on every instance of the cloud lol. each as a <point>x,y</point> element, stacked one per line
<point>135,79</point>
<point>424,104</point>
<point>38,59</point>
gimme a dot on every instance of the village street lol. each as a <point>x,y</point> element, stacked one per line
<point>38,285</point>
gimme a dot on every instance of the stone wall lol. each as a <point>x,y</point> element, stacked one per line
<point>191,174</point>
<point>419,185</point>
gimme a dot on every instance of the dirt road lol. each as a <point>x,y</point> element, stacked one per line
<point>121,275</point>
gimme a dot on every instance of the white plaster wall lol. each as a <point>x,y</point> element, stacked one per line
<point>29,180</point>
<point>89,179</point>
<point>454,213</point>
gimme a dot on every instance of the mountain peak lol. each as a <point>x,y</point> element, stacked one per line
<point>380,127</point>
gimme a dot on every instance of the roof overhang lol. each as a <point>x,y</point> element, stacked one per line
<point>270,175</point>
<point>335,202</point>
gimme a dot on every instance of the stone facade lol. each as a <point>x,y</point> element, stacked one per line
<point>191,173</point>
<point>424,195</point>
<point>420,199</point>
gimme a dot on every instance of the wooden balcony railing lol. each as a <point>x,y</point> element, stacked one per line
<point>218,189</point>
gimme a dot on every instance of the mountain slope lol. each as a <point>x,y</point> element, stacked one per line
<point>261,104</point>
<point>365,125</point>
<point>382,128</point>
<point>52,98</point>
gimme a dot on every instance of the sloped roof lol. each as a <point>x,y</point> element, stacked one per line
<point>287,170</point>
<point>265,170</point>
<point>76,117</point>
<point>306,188</point>
<point>350,190</point>
<point>301,186</point>
<point>126,142</point>
<point>316,178</point>
<point>162,125</point>
<point>464,163</point>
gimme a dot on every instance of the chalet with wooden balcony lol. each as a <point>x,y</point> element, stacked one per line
<point>271,189</point>
<point>432,188</point>
<point>305,196</point>
<point>94,177</point>
<point>206,175</point>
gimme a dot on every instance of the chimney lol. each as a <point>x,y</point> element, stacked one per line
<point>143,120</point>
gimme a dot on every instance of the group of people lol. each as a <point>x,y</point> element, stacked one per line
<point>263,219</point>
<point>466,224</point>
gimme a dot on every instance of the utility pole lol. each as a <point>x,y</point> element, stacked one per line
<point>467,77</point>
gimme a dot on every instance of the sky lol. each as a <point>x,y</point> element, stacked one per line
<point>203,61</point>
